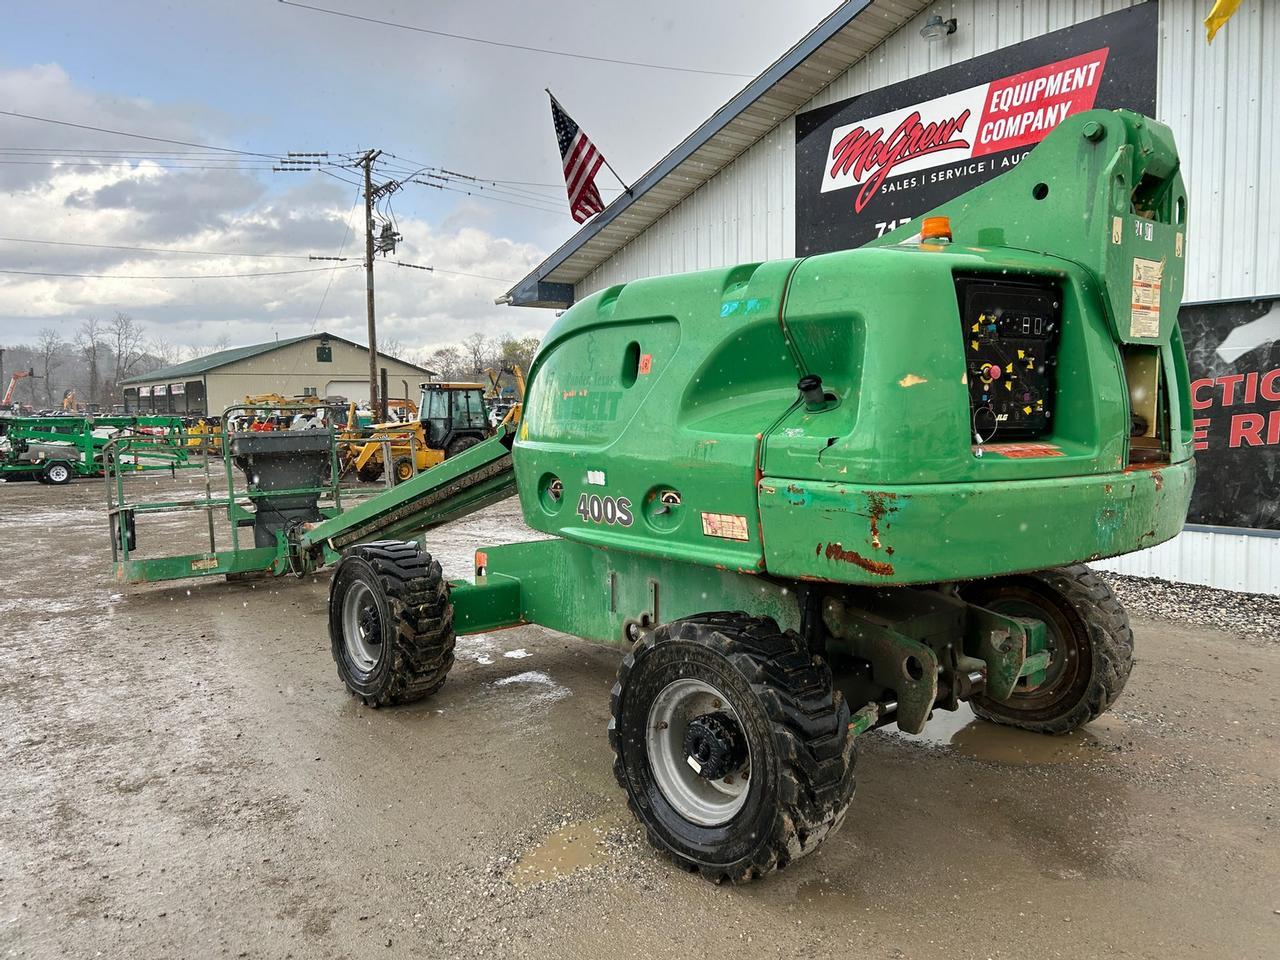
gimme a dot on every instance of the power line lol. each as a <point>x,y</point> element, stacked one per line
<point>332,270</point>
<point>487,196</point>
<point>456,273</point>
<point>136,136</point>
<point>195,276</point>
<point>108,164</point>
<point>192,253</point>
<point>516,46</point>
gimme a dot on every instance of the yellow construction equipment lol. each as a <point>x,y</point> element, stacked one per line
<point>452,417</point>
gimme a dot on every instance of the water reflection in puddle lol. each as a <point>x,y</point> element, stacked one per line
<point>560,853</point>
<point>967,735</point>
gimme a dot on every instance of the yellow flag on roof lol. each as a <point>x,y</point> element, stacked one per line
<point>1222,12</point>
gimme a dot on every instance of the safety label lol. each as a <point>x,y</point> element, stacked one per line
<point>1144,320</point>
<point>726,526</point>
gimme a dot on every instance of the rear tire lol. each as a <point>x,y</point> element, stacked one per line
<point>369,472</point>
<point>390,623</point>
<point>781,753</point>
<point>1090,642</point>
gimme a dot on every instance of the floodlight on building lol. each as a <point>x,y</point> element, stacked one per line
<point>935,28</point>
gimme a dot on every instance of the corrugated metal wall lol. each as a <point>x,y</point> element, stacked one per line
<point>1218,101</point>
<point>1232,561</point>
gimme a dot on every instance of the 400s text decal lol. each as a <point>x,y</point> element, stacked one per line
<point>611,510</point>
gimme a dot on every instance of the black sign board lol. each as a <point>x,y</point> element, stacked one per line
<point>1233,352</point>
<point>866,165</point>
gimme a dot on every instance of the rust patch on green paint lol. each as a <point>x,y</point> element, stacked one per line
<point>836,551</point>
<point>879,504</point>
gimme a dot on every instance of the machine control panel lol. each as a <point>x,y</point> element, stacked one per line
<point>1011,333</point>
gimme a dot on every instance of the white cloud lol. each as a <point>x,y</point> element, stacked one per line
<point>228,211</point>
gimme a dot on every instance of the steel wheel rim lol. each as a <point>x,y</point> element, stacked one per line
<point>361,627</point>
<point>58,473</point>
<point>705,802</point>
<point>1065,656</point>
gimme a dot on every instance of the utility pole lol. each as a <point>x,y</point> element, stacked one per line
<point>376,403</point>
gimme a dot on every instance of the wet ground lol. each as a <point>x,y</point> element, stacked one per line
<point>181,775</point>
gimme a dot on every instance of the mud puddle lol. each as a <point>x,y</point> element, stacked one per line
<point>962,732</point>
<point>573,847</point>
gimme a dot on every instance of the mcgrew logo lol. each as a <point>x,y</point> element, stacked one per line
<point>870,154</point>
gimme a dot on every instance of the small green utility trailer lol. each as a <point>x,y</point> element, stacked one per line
<point>815,496</point>
<point>57,449</point>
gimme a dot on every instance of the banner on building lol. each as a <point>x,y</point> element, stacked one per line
<point>867,165</point>
<point>1233,352</point>
<point>159,390</point>
<point>144,391</point>
<point>177,389</point>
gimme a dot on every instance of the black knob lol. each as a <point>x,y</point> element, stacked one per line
<point>810,388</point>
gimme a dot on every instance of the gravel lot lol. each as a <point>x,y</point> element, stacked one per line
<point>185,777</point>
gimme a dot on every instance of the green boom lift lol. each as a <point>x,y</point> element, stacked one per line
<point>815,496</point>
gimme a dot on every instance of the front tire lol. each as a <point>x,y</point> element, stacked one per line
<point>731,743</point>
<point>56,473</point>
<point>390,623</point>
<point>1089,640</point>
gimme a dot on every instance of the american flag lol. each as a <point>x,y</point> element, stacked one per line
<point>581,162</point>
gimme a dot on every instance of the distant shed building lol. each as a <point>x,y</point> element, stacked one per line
<point>318,364</point>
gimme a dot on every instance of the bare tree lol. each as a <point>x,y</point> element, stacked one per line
<point>222,343</point>
<point>164,350</point>
<point>447,363</point>
<point>478,350</point>
<point>89,342</point>
<point>50,348</point>
<point>127,341</point>
<point>392,347</point>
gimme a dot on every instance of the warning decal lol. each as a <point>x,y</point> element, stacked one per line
<point>726,526</point>
<point>1144,321</point>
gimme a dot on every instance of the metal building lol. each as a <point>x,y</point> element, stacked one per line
<point>730,193</point>
<point>318,364</point>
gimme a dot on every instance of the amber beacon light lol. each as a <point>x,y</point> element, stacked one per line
<point>937,229</point>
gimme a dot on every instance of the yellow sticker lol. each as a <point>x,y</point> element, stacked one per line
<point>204,563</point>
<point>973,344</point>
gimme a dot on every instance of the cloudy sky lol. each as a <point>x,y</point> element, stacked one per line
<point>265,78</point>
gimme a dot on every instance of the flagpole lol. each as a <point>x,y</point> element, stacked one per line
<point>625,186</point>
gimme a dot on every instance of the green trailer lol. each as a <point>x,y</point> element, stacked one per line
<point>815,496</point>
<point>57,449</point>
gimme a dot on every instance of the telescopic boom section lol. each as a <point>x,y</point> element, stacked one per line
<point>474,479</point>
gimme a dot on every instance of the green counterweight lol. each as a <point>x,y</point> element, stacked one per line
<point>685,387</point>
